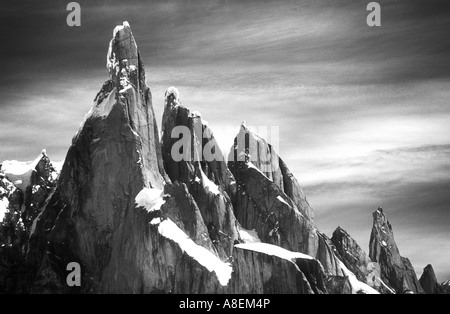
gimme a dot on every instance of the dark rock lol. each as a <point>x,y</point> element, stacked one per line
<point>207,177</point>
<point>262,205</point>
<point>429,282</point>
<point>356,260</point>
<point>248,146</point>
<point>338,285</point>
<point>263,268</point>
<point>396,271</point>
<point>42,184</point>
<point>114,211</point>
<point>446,287</point>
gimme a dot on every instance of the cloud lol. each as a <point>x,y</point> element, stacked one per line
<point>412,185</point>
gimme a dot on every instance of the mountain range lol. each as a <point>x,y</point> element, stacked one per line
<point>138,220</point>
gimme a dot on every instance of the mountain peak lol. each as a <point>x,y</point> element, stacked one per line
<point>122,60</point>
<point>172,95</point>
<point>396,270</point>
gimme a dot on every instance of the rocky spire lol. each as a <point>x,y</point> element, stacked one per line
<point>250,146</point>
<point>356,260</point>
<point>429,282</point>
<point>207,177</point>
<point>280,216</point>
<point>396,271</point>
<point>113,158</point>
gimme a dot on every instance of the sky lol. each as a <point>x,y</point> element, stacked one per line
<point>363,112</point>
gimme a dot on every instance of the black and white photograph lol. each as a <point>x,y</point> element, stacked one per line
<point>225,152</point>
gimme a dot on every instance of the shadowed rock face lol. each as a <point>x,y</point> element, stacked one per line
<point>277,271</point>
<point>262,204</point>
<point>203,149</point>
<point>446,287</point>
<point>248,145</point>
<point>356,260</point>
<point>429,282</point>
<point>396,271</point>
<point>42,184</point>
<point>93,218</point>
<point>208,179</point>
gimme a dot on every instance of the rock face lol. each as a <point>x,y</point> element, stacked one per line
<point>263,205</point>
<point>20,204</point>
<point>248,146</point>
<point>446,286</point>
<point>114,210</point>
<point>396,271</point>
<point>279,271</point>
<point>42,184</point>
<point>201,166</point>
<point>429,282</point>
<point>357,261</point>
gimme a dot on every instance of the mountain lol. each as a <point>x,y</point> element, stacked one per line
<point>357,261</point>
<point>429,282</point>
<point>144,212</point>
<point>24,189</point>
<point>396,271</point>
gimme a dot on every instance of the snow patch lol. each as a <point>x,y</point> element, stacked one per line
<point>118,28</point>
<point>170,230</point>
<point>150,199</point>
<point>355,284</point>
<point>155,221</point>
<point>4,203</point>
<point>383,243</point>
<point>209,185</point>
<point>386,286</point>
<point>252,166</point>
<point>283,201</point>
<point>196,114</point>
<point>173,91</point>
<point>273,250</point>
<point>20,172</point>
<point>249,236</point>
<point>33,226</point>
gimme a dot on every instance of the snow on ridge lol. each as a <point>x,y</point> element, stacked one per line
<point>355,284</point>
<point>173,91</point>
<point>273,250</point>
<point>249,236</point>
<point>150,199</point>
<point>209,185</point>
<point>118,28</point>
<point>281,199</point>
<point>58,165</point>
<point>19,172</point>
<point>253,166</point>
<point>386,286</point>
<point>211,262</point>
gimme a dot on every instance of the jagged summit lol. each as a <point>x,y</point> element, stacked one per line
<point>429,282</point>
<point>123,57</point>
<point>396,271</point>
<point>251,147</point>
<point>172,95</point>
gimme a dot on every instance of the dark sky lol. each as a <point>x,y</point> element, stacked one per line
<point>364,113</point>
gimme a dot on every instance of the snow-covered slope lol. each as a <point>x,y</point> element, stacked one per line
<point>170,230</point>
